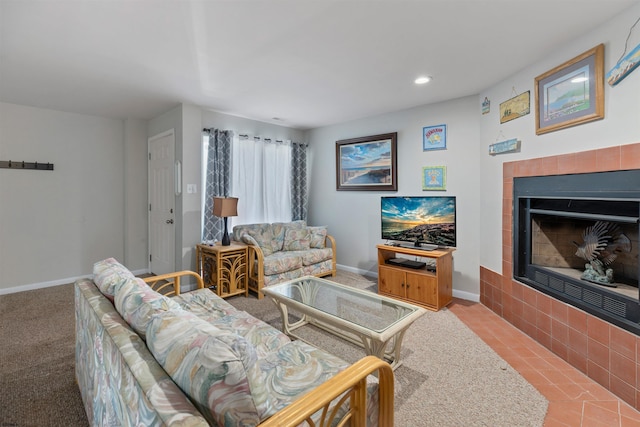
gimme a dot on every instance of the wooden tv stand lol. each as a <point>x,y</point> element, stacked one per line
<point>429,289</point>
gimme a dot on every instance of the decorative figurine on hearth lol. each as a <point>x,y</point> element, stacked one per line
<point>602,242</point>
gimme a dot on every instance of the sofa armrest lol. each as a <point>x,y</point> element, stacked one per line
<point>353,381</point>
<point>169,284</point>
<point>330,242</point>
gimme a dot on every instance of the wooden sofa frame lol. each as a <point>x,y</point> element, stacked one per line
<point>348,385</point>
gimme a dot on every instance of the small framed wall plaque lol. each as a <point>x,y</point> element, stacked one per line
<point>434,178</point>
<point>434,137</point>
<point>515,107</point>
<point>508,146</point>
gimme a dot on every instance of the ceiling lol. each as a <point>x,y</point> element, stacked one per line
<point>297,63</point>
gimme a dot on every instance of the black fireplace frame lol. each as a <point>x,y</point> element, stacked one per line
<point>580,196</point>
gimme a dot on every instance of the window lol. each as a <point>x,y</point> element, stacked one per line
<point>260,179</point>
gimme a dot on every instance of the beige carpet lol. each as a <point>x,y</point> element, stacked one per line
<point>37,360</point>
<point>449,378</point>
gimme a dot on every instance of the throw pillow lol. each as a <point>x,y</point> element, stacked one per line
<point>108,275</point>
<point>209,364</point>
<point>263,237</point>
<point>318,236</point>
<point>279,229</point>
<point>296,239</point>
<point>137,303</point>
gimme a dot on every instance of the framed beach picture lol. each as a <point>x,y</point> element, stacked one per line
<point>434,178</point>
<point>367,163</point>
<point>434,137</point>
<point>572,93</point>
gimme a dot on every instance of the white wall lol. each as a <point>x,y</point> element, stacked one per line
<point>353,217</point>
<point>136,242</point>
<point>620,126</point>
<point>191,174</point>
<point>55,224</point>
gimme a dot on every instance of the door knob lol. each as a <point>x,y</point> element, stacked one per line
<point>169,221</point>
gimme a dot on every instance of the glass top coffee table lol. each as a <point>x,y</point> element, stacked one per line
<point>376,322</point>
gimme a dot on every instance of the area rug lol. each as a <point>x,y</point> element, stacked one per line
<point>449,376</point>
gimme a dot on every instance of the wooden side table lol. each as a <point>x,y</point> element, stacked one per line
<point>223,268</point>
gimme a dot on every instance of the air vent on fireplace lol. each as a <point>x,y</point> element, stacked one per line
<point>595,298</point>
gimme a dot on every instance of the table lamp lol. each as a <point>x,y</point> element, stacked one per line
<point>224,207</point>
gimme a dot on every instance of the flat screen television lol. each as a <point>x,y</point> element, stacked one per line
<point>428,222</point>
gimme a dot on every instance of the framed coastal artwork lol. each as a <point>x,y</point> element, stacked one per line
<point>367,163</point>
<point>572,93</point>
<point>434,137</point>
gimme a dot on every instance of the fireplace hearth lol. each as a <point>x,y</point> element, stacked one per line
<point>551,214</point>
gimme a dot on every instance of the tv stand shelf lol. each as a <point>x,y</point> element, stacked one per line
<point>429,289</point>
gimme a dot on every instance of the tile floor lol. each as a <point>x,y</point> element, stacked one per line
<point>574,399</point>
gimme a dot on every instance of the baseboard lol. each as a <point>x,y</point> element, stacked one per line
<point>41,285</point>
<point>458,294</point>
<point>466,296</point>
<point>365,273</point>
<point>49,284</point>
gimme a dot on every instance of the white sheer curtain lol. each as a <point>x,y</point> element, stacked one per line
<point>261,179</point>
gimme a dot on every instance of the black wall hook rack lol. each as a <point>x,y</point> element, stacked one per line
<point>12,164</point>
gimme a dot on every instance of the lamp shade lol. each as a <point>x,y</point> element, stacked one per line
<point>225,206</point>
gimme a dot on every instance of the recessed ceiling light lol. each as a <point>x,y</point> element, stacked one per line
<point>422,80</point>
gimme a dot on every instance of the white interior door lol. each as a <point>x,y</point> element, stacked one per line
<point>162,203</point>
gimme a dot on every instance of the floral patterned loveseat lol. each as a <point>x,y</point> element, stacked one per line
<point>286,250</point>
<point>146,359</point>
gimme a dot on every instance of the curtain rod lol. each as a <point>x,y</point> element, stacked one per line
<point>246,136</point>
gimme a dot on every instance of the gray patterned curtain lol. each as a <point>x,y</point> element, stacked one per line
<point>298,181</point>
<point>218,180</point>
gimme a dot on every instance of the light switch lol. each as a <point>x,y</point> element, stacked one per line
<point>191,189</point>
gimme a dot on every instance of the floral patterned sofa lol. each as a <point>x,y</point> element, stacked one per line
<point>286,250</point>
<point>143,358</point>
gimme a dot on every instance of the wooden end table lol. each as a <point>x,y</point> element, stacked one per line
<point>223,268</point>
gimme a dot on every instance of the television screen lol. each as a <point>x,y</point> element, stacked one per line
<point>426,221</point>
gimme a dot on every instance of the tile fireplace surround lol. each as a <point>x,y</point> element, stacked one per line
<point>606,353</point>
